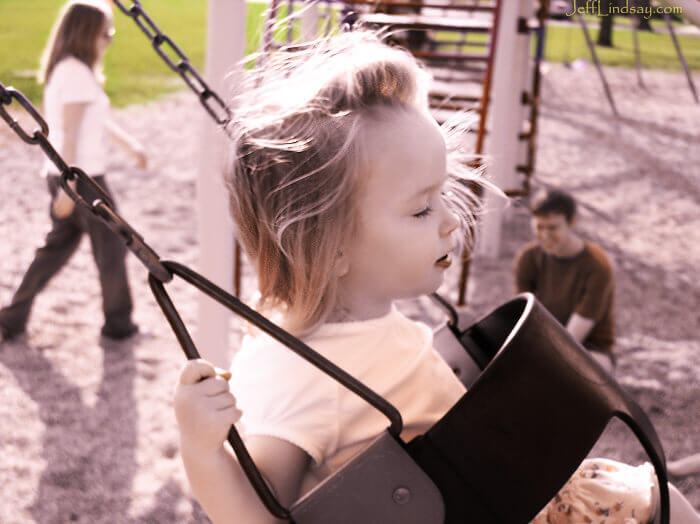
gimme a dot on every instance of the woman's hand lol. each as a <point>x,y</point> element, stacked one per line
<point>140,157</point>
<point>128,142</point>
<point>204,407</point>
<point>63,205</point>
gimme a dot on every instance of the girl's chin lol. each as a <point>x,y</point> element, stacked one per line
<point>430,287</point>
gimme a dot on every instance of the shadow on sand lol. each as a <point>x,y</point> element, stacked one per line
<point>89,451</point>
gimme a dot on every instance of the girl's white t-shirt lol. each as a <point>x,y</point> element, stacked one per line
<point>72,81</point>
<point>283,396</point>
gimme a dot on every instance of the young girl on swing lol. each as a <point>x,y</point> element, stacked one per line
<point>347,197</point>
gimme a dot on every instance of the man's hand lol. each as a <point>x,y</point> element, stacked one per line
<point>579,327</point>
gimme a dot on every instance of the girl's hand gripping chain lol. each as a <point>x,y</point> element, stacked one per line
<point>204,407</point>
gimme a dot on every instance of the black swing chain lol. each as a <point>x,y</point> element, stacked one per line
<point>160,271</point>
<point>176,60</point>
<point>101,207</point>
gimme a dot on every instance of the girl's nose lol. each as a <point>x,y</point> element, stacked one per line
<point>449,223</point>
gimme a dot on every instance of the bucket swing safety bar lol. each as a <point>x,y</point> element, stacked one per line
<point>511,353</point>
<point>536,404</point>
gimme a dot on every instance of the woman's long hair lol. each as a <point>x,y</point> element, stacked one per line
<point>80,23</point>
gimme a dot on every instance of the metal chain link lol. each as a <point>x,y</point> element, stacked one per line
<point>7,95</point>
<point>161,272</point>
<point>176,60</point>
<point>102,207</point>
<point>158,269</point>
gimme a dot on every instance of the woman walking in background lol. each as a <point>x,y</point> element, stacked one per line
<point>77,111</point>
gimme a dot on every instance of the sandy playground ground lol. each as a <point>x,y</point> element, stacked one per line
<point>88,433</point>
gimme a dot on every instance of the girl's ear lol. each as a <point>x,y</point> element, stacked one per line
<point>342,263</point>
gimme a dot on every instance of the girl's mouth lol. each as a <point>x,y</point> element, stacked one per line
<point>444,261</point>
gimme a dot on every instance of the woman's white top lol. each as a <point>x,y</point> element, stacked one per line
<point>73,82</point>
<point>283,396</point>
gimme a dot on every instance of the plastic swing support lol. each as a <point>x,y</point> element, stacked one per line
<point>534,410</point>
<point>542,398</point>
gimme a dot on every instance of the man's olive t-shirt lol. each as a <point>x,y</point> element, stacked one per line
<point>583,284</point>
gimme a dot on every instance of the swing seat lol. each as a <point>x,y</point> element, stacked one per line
<point>537,406</point>
<point>527,421</point>
<point>529,418</point>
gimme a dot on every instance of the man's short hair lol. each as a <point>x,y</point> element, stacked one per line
<point>553,202</point>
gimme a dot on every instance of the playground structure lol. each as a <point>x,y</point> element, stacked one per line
<point>691,12</point>
<point>466,80</point>
<point>478,53</point>
<point>218,249</point>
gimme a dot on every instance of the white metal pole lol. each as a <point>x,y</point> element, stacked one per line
<point>309,22</point>
<point>226,27</point>
<point>503,149</point>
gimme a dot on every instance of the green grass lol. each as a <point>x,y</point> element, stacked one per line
<point>567,43</point>
<point>629,21</point>
<point>135,73</point>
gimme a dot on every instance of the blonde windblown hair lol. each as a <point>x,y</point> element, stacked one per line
<point>298,163</point>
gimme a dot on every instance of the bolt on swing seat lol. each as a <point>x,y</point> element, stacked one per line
<point>536,404</point>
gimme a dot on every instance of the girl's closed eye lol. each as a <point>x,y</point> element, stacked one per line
<point>428,207</point>
<point>424,212</point>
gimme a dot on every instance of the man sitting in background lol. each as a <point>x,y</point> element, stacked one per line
<point>572,277</point>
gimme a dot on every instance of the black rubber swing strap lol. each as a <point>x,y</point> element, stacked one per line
<point>244,459</point>
<point>282,336</point>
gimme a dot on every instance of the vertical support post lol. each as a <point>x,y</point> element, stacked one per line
<point>599,68</point>
<point>677,45</point>
<point>510,78</point>
<point>637,58</point>
<point>225,48</point>
<point>310,19</point>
